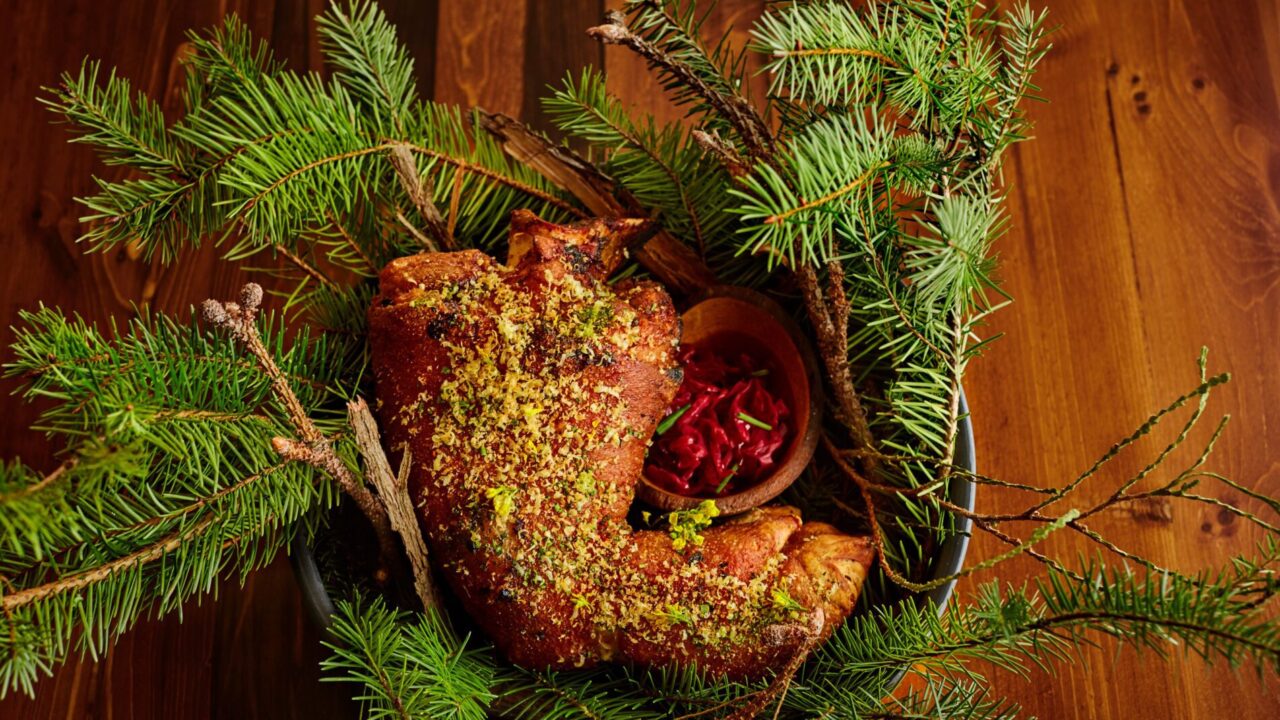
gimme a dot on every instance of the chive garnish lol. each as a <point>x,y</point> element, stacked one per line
<point>671,419</point>
<point>732,471</point>
<point>760,373</point>
<point>752,421</point>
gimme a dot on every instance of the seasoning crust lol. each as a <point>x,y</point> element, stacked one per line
<point>527,394</point>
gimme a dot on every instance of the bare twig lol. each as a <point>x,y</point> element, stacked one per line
<point>393,490</point>
<point>835,354</point>
<point>417,234</point>
<point>416,188</point>
<point>312,447</point>
<point>307,268</point>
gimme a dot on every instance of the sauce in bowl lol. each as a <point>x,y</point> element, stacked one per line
<point>726,429</point>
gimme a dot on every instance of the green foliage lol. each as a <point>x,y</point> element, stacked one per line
<point>169,480</point>
<point>408,667</point>
<point>369,60</point>
<point>676,26</point>
<point>421,663</point>
<point>289,162</point>
<point>662,167</point>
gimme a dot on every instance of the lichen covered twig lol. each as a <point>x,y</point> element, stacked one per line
<point>311,447</point>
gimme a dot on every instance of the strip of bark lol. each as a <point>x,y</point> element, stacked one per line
<point>393,490</point>
<point>674,263</point>
<point>833,347</point>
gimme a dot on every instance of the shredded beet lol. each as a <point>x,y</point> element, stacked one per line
<point>725,429</point>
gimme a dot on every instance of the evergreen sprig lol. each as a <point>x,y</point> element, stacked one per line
<point>662,166</point>
<point>169,480</point>
<point>850,676</point>
<point>408,667</point>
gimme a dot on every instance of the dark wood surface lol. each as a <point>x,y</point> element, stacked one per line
<point>1145,224</point>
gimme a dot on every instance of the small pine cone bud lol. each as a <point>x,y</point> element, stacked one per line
<point>251,296</point>
<point>289,449</point>
<point>611,34</point>
<point>214,313</point>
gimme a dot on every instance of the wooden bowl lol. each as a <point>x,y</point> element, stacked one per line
<point>747,320</point>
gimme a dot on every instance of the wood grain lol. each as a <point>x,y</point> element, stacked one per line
<point>1146,223</point>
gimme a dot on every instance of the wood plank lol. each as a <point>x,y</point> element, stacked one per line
<point>1145,223</point>
<point>251,654</point>
<point>556,46</point>
<point>635,85</point>
<point>479,55</point>
<point>1142,229</point>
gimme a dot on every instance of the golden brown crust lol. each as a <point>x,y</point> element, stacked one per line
<point>527,395</point>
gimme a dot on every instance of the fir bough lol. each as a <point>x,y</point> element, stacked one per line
<point>864,192</point>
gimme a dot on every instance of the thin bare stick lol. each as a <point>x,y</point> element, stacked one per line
<point>393,490</point>
<point>312,447</point>
<point>728,156</point>
<point>307,268</point>
<point>415,187</point>
<point>835,355</point>
<point>425,241</point>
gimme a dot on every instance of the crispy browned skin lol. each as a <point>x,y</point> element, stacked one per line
<point>527,395</point>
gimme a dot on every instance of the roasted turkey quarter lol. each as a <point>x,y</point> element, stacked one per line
<point>527,394</point>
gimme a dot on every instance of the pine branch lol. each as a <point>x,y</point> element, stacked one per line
<point>313,448</point>
<point>408,670</point>
<point>168,482</point>
<point>877,187</point>
<point>746,123</point>
<point>126,130</point>
<point>368,60</point>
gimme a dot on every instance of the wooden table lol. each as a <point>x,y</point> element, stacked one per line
<point>1145,224</point>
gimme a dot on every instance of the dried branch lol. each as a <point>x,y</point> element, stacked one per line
<point>312,447</point>
<point>831,333</point>
<point>673,262</point>
<point>407,171</point>
<point>728,156</point>
<point>393,490</point>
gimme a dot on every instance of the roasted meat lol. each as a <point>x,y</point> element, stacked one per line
<point>527,394</point>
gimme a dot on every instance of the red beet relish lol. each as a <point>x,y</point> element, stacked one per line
<point>725,430</point>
